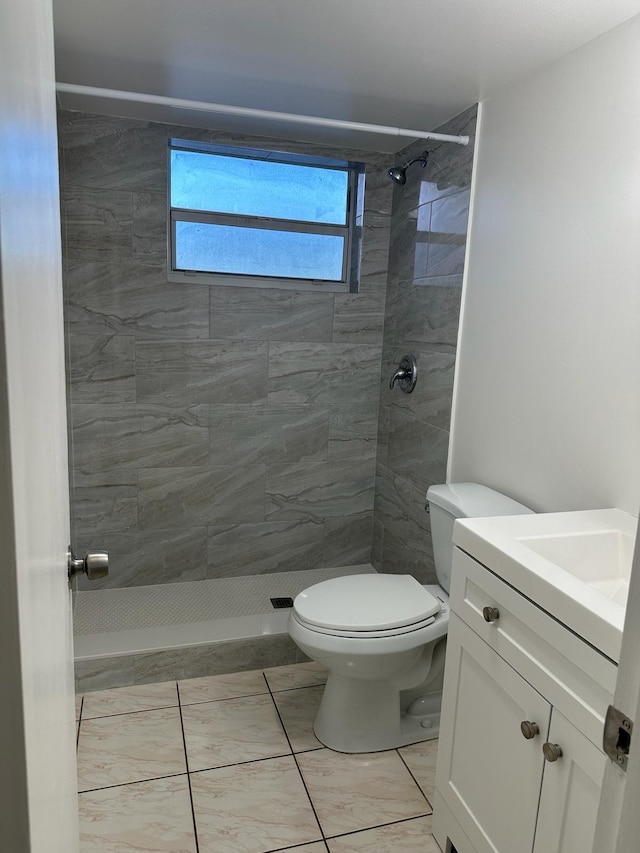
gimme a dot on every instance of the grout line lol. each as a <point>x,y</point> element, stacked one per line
<point>135,782</point>
<point>186,761</point>
<point>414,778</point>
<point>379,826</point>
<point>129,713</point>
<point>313,808</point>
<point>238,763</point>
<point>184,704</point>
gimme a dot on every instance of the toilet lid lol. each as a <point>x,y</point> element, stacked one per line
<point>366,603</point>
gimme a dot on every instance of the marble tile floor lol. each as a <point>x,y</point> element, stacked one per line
<point>230,764</point>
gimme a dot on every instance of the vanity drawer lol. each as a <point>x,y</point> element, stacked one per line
<point>570,673</point>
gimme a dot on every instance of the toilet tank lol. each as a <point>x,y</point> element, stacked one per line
<point>461,500</point>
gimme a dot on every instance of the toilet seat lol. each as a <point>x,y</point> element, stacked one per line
<point>366,606</point>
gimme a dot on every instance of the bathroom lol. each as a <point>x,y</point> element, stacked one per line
<point>544,354</point>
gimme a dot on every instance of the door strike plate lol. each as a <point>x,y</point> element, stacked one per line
<point>618,729</point>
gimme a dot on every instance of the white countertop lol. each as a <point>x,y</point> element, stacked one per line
<point>567,585</point>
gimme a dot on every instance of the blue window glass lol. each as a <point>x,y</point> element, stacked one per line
<point>202,181</point>
<point>258,252</point>
<point>251,214</point>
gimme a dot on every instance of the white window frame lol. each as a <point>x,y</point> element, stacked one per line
<point>351,230</point>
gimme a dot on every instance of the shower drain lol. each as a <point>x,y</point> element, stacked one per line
<point>281,603</point>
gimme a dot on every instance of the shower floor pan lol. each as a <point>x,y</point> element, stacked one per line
<point>135,634</point>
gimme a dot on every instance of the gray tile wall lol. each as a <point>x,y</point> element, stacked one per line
<point>215,430</point>
<point>426,261</point>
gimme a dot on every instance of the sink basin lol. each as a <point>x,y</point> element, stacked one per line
<point>601,559</point>
<point>574,565</point>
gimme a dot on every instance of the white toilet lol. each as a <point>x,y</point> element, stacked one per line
<point>382,637</point>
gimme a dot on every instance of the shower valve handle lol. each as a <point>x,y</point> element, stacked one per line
<point>94,565</point>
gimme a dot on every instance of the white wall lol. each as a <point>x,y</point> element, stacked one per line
<point>547,398</point>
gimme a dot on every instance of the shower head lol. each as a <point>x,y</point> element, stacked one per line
<point>399,173</point>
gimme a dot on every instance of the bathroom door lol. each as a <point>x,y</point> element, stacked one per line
<point>618,826</point>
<point>38,803</point>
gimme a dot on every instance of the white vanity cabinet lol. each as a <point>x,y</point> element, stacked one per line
<point>512,685</point>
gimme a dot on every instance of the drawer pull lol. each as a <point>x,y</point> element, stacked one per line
<point>529,729</point>
<point>552,752</point>
<point>491,614</point>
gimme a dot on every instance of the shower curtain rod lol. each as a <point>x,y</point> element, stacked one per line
<point>249,112</point>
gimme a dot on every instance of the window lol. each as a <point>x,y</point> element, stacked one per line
<point>246,216</point>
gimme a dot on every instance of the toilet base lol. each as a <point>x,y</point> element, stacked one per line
<point>357,716</point>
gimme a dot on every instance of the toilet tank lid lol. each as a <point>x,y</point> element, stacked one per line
<point>472,500</point>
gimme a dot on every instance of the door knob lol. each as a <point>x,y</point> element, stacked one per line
<point>95,564</point>
<point>529,730</point>
<point>552,752</point>
<point>491,614</point>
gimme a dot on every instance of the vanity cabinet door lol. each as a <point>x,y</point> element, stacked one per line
<point>489,774</point>
<point>570,792</point>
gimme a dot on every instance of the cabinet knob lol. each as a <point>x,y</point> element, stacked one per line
<point>552,752</point>
<point>529,729</point>
<point>491,614</point>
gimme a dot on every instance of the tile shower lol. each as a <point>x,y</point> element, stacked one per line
<point>220,432</point>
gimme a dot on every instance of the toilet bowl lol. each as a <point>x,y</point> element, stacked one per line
<point>382,638</point>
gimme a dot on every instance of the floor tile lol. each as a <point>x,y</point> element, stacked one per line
<point>124,700</point>
<point>409,836</point>
<point>129,748</point>
<point>252,808</point>
<point>420,758</point>
<point>230,686</point>
<point>233,730</point>
<point>79,698</point>
<point>318,847</point>
<point>298,709</point>
<point>296,675</point>
<point>353,792</point>
<point>148,816</point>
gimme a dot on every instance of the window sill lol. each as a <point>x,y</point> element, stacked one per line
<point>216,280</point>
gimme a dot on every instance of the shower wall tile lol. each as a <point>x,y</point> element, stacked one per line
<point>102,368</point>
<point>347,540</point>
<point>134,299</point>
<point>426,262</point>
<point>268,434</point>
<point>264,547</point>
<point>106,152</point>
<point>399,559</point>
<point>215,659</point>
<point>241,313</point>
<point>359,317</point>
<point>448,234</point>
<point>108,436</point>
<point>141,557</point>
<point>189,662</point>
<point>103,673</point>
<point>428,315</point>
<point>401,508</point>
<point>98,224</point>
<point>189,399</point>
<point>353,431</point>
<point>184,497</point>
<point>431,402</point>
<point>149,229</point>
<point>319,491</point>
<point>106,500</point>
<point>179,373</point>
<point>377,543</point>
<point>323,373</point>
<point>410,439</point>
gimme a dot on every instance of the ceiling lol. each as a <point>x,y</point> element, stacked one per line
<point>406,63</point>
